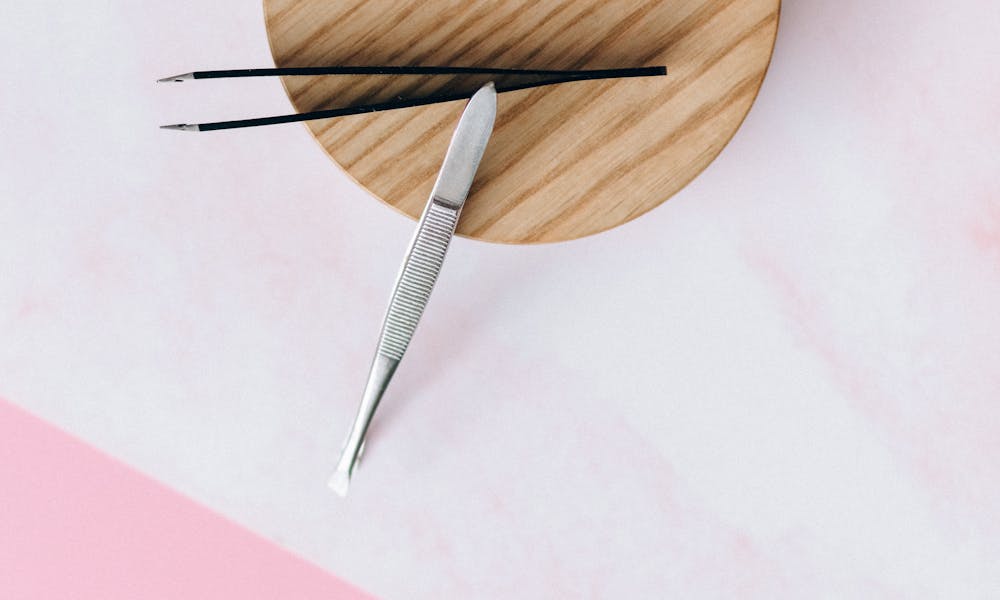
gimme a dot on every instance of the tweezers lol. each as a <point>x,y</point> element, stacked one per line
<point>547,77</point>
<point>437,224</point>
<point>421,267</point>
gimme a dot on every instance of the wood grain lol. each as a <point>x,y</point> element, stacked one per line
<point>565,161</point>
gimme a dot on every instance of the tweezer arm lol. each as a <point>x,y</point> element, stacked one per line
<point>409,298</point>
<point>549,78</point>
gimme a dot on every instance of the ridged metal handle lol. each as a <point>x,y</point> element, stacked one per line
<point>416,277</point>
<point>409,298</point>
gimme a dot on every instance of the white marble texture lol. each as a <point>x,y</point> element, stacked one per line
<point>785,382</point>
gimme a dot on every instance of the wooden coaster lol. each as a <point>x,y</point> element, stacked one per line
<point>564,161</point>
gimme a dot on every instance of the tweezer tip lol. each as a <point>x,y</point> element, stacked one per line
<point>181,127</point>
<point>339,483</point>
<point>176,78</point>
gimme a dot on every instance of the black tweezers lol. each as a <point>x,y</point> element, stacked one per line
<point>550,77</point>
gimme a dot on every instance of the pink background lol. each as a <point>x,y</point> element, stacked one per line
<point>782,383</point>
<point>77,524</point>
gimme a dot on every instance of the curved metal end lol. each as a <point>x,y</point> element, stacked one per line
<point>340,482</point>
<point>176,78</point>
<point>378,379</point>
<point>465,151</point>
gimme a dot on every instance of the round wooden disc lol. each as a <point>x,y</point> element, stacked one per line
<point>564,161</point>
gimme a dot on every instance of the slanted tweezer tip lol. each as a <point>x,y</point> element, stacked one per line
<point>176,78</point>
<point>181,127</point>
<point>340,482</point>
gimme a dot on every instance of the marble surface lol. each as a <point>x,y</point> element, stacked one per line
<point>783,382</point>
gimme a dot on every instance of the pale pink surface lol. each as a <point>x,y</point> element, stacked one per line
<point>78,525</point>
<point>782,383</point>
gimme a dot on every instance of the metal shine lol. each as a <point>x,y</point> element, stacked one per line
<point>421,267</point>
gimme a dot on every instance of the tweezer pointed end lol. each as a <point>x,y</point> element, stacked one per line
<point>181,127</point>
<point>489,90</point>
<point>340,481</point>
<point>176,78</point>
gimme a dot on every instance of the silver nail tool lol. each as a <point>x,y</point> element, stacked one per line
<point>421,267</point>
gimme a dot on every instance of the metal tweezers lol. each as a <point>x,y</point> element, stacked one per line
<point>436,227</point>
<point>544,77</point>
<point>421,267</point>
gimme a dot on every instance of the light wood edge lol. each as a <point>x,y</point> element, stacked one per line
<point>312,134</point>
